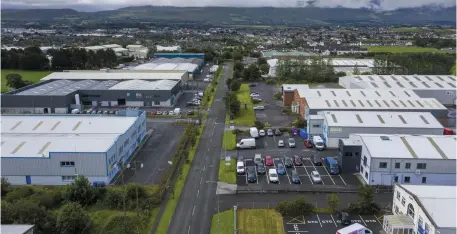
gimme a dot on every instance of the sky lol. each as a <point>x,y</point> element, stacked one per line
<point>95,5</point>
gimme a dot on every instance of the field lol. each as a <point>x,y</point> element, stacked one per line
<point>229,141</point>
<point>402,49</point>
<point>407,29</point>
<point>259,221</point>
<point>246,117</point>
<point>227,174</point>
<point>225,226</point>
<point>33,76</point>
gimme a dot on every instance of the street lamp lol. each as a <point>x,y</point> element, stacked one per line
<point>136,189</point>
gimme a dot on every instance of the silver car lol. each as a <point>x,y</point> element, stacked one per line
<point>316,177</point>
<point>291,142</point>
<point>259,108</point>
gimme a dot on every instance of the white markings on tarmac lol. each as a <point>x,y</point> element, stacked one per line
<point>319,219</point>
<point>333,220</point>
<point>188,230</point>
<point>201,180</point>
<point>193,210</point>
<point>363,220</point>
<point>198,192</point>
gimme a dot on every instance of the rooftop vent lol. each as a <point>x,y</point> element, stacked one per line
<point>439,77</point>
<point>377,93</point>
<point>16,125</point>
<point>77,125</point>
<point>387,84</point>
<point>44,147</point>
<point>411,103</point>
<point>369,103</point>
<point>406,78</point>
<point>402,103</point>
<point>371,78</point>
<point>393,94</point>
<point>439,85</point>
<point>358,118</point>
<point>428,78</point>
<point>319,93</point>
<point>425,84</point>
<point>379,104</point>
<point>344,102</point>
<point>353,103</point>
<point>385,102</point>
<point>393,78</point>
<point>419,103</point>
<point>363,93</point>
<point>382,78</point>
<point>452,78</point>
<point>361,103</point>
<point>18,147</point>
<point>395,104</point>
<point>407,94</point>
<point>374,85</point>
<point>402,119</point>
<point>336,103</point>
<point>349,94</point>
<point>334,118</point>
<point>385,138</point>
<point>412,84</point>
<point>451,84</point>
<point>400,84</point>
<point>423,119</point>
<point>443,155</point>
<point>55,126</point>
<point>38,125</point>
<point>333,92</point>
<point>380,119</point>
<point>417,78</point>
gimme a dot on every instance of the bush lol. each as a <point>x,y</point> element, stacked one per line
<point>259,124</point>
<point>30,213</point>
<point>255,101</point>
<point>19,193</point>
<point>131,191</point>
<point>237,131</point>
<point>277,96</point>
<point>81,191</point>
<point>114,198</point>
<point>287,110</point>
<point>122,224</point>
<point>72,218</point>
<point>48,199</point>
<point>235,86</point>
<point>270,81</point>
<point>5,186</point>
<point>299,123</point>
<point>294,208</point>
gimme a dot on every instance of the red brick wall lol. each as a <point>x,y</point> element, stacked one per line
<point>287,98</point>
<point>302,104</point>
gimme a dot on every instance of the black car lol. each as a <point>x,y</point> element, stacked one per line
<point>288,162</point>
<point>191,104</point>
<point>277,132</point>
<point>261,170</point>
<point>252,177</point>
<point>252,85</point>
<point>295,178</point>
<point>316,160</point>
<point>344,217</point>
<point>297,160</point>
<point>190,112</point>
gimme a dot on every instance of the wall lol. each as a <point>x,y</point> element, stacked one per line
<point>349,157</point>
<point>287,98</point>
<point>386,178</point>
<point>48,180</point>
<point>444,96</point>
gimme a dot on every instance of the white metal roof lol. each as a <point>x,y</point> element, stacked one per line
<point>404,81</point>
<point>116,49</point>
<point>145,85</point>
<point>369,63</point>
<point>135,46</point>
<point>15,228</point>
<point>439,202</point>
<point>94,48</point>
<point>381,119</point>
<point>376,104</point>
<point>112,46</point>
<point>409,146</point>
<point>37,135</point>
<point>302,89</point>
<point>167,48</point>
<point>190,67</point>
<point>360,93</point>
<point>115,75</point>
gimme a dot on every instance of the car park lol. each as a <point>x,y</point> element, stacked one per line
<point>261,170</point>
<point>256,99</point>
<point>171,113</point>
<point>190,112</point>
<point>281,169</point>
<point>258,158</point>
<point>270,132</point>
<point>261,132</point>
<point>297,161</point>
<point>268,161</point>
<point>316,177</point>
<point>344,218</point>
<point>259,108</point>
<point>240,159</point>
<point>159,112</point>
<point>277,132</point>
<point>251,175</point>
<point>295,178</point>
<point>291,143</point>
<point>307,144</point>
<point>280,143</point>
<point>273,176</point>
<point>288,162</point>
<point>240,168</point>
<point>316,160</point>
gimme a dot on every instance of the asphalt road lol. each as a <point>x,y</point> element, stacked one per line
<point>196,205</point>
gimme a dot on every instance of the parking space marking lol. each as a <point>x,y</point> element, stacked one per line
<point>257,175</point>
<point>201,180</point>
<point>378,219</point>
<point>287,174</point>
<point>329,175</point>
<point>319,219</point>
<point>333,221</point>
<point>317,171</point>
<point>293,164</point>
<point>297,231</point>
<point>193,210</point>
<point>342,179</point>
<point>198,192</point>
<point>245,172</point>
<point>307,173</point>
<point>266,171</point>
<point>363,221</point>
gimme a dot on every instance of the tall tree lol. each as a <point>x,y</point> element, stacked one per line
<point>72,218</point>
<point>15,81</point>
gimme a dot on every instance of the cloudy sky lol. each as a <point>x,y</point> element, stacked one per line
<point>91,5</point>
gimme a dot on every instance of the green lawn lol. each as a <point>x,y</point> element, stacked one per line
<point>222,223</point>
<point>246,117</point>
<point>229,140</point>
<point>33,76</point>
<point>260,221</point>
<point>402,49</point>
<point>227,174</point>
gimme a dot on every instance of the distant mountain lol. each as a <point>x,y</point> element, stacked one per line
<point>226,16</point>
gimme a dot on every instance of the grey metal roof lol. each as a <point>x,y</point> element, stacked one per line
<point>46,88</point>
<point>64,87</point>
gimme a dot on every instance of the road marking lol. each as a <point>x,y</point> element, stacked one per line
<point>198,192</point>
<point>333,221</point>
<point>193,210</point>
<point>201,180</point>
<point>297,231</point>
<point>266,171</point>
<point>206,157</point>
<point>319,219</point>
<point>256,174</point>
<point>246,172</point>
<point>377,219</point>
<point>312,163</point>
<point>204,168</point>
<point>208,148</point>
<point>188,230</point>
<point>329,174</point>
<point>363,220</point>
<point>293,164</point>
<point>283,163</point>
<point>342,179</point>
<point>303,165</point>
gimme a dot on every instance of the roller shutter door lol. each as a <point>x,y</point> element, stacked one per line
<point>134,103</point>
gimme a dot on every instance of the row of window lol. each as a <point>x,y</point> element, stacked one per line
<point>411,212</point>
<point>68,178</point>
<point>112,159</point>
<point>421,166</point>
<point>349,154</point>
<point>67,164</point>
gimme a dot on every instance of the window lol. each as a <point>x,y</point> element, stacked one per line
<point>396,209</point>
<point>398,195</point>
<point>364,160</point>
<point>407,179</point>
<point>403,201</point>
<point>356,153</point>
<point>397,165</point>
<point>382,165</point>
<point>427,228</point>
<point>67,164</point>
<point>156,102</point>
<point>126,143</point>
<point>408,165</point>
<point>316,126</point>
<point>121,149</point>
<point>410,211</point>
<point>68,178</point>
<point>421,166</point>
<point>348,154</point>
<point>361,169</point>
<point>424,180</point>
<point>366,175</point>
<point>420,222</point>
<point>396,179</point>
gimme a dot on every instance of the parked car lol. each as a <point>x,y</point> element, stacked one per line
<point>171,112</point>
<point>159,112</point>
<point>288,162</point>
<point>273,176</point>
<point>270,132</point>
<point>261,132</point>
<point>207,80</point>
<point>295,178</point>
<point>190,112</point>
<point>105,112</point>
<point>240,168</point>
<point>316,160</point>
<point>277,132</point>
<point>254,95</point>
<point>316,177</point>
<point>258,158</point>
<point>252,177</point>
<point>261,170</point>
<point>307,144</point>
<point>280,143</point>
<point>281,169</point>
<point>291,142</point>
<point>344,217</point>
<point>259,108</point>
<point>256,99</point>
<point>268,161</point>
<point>297,161</point>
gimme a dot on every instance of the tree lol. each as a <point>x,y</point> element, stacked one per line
<point>239,66</point>
<point>5,186</point>
<point>232,103</point>
<point>229,82</point>
<point>356,70</point>
<point>237,74</point>
<point>72,218</point>
<point>366,194</point>
<point>24,211</point>
<point>81,191</point>
<point>235,86</point>
<point>333,201</point>
<point>261,61</point>
<point>453,70</point>
<point>236,55</point>
<point>15,81</point>
<point>264,68</point>
<point>341,74</point>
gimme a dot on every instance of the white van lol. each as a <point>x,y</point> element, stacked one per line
<point>254,132</point>
<point>355,228</point>
<point>246,143</point>
<point>318,142</point>
<point>240,167</point>
<point>177,111</point>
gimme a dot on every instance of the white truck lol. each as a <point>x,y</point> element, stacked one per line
<point>354,229</point>
<point>318,142</point>
<point>177,111</point>
<point>254,132</point>
<point>247,143</point>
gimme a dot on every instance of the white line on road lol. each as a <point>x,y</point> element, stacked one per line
<point>208,148</point>
<point>319,219</point>
<point>246,171</point>
<point>207,157</point>
<point>312,163</point>
<point>329,175</point>
<point>193,210</point>
<point>287,174</point>
<point>363,220</point>
<point>307,173</point>
<point>333,221</point>
<point>188,230</point>
<point>201,178</point>
<point>198,192</point>
<point>377,219</point>
<point>342,179</point>
<point>297,231</point>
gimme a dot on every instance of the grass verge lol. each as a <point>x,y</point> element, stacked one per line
<point>403,49</point>
<point>260,221</point>
<point>229,140</point>
<point>225,224</point>
<point>33,76</point>
<point>227,174</point>
<point>246,117</point>
<point>210,91</point>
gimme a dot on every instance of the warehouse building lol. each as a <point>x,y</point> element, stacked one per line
<point>60,92</point>
<point>179,55</point>
<point>192,65</point>
<point>403,159</point>
<point>291,93</point>
<point>422,209</point>
<point>336,125</point>
<point>440,87</point>
<point>55,149</point>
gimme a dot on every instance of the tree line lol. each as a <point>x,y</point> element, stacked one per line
<point>314,69</point>
<point>413,63</point>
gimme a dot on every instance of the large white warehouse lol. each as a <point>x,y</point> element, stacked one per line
<point>403,159</point>
<point>54,149</point>
<point>422,209</point>
<point>335,125</point>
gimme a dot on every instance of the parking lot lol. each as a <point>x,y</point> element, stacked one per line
<point>325,223</point>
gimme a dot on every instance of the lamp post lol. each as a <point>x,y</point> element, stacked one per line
<point>135,166</point>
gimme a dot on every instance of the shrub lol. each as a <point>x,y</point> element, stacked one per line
<point>259,124</point>
<point>72,218</point>
<point>28,212</point>
<point>255,101</point>
<point>122,224</point>
<point>294,208</point>
<point>114,198</point>
<point>237,131</point>
<point>5,186</point>
<point>235,85</point>
<point>19,193</point>
<point>81,191</point>
<point>270,81</point>
<point>48,199</point>
<point>277,96</point>
<point>287,110</point>
<point>299,123</point>
<point>132,189</point>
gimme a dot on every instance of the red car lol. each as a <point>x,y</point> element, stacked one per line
<point>307,144</point>
<point>268,161</point>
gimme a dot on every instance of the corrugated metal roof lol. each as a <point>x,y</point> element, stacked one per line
<point>145,85</point>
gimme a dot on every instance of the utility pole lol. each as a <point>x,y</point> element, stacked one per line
<point>136,189</point>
